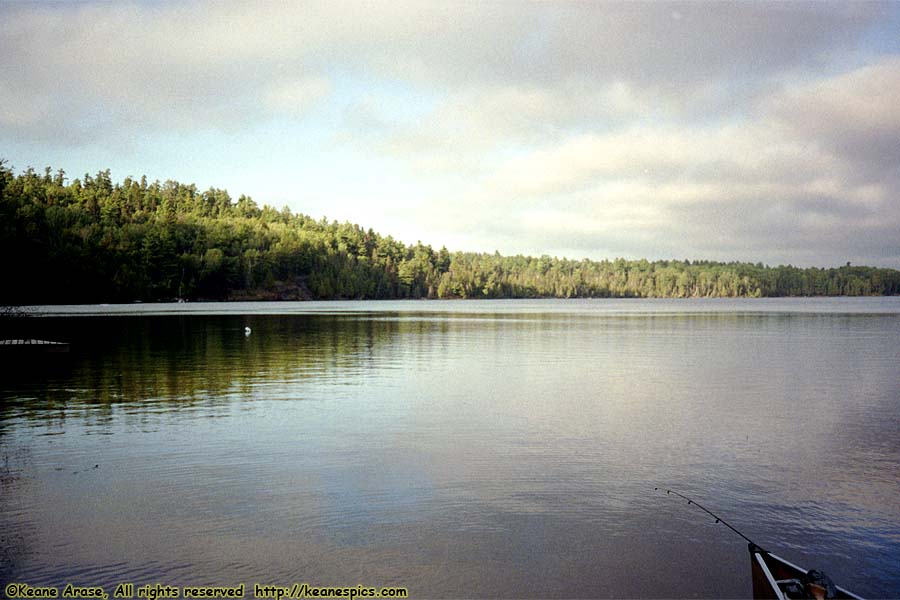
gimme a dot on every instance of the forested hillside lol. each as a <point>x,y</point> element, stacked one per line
<point>93,240</point>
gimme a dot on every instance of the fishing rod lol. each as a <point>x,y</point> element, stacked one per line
<point>712,514</point>
<point>804,584</point>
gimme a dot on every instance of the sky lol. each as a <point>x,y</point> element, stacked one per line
<point>751,131</point>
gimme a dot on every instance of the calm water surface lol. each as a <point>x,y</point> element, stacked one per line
<point>460,449</point>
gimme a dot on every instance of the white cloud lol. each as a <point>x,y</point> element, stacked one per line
<point>780,184</point>
<point>172,61</point>
<point>296,96</point>
<point>855,115</point>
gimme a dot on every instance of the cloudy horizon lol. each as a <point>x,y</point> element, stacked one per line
<point>759,132</point>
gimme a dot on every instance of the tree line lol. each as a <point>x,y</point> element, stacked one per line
<point>95,240</point>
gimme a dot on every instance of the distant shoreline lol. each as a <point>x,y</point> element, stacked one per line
<point>262,299</point>
<point>93,241</point>
<point>511,306</point>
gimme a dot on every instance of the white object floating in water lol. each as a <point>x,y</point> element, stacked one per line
<point>247,331</point>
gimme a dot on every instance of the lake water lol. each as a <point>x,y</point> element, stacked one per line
<point>459,449</point>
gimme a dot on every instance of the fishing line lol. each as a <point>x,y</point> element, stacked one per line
<point>710,513</point>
